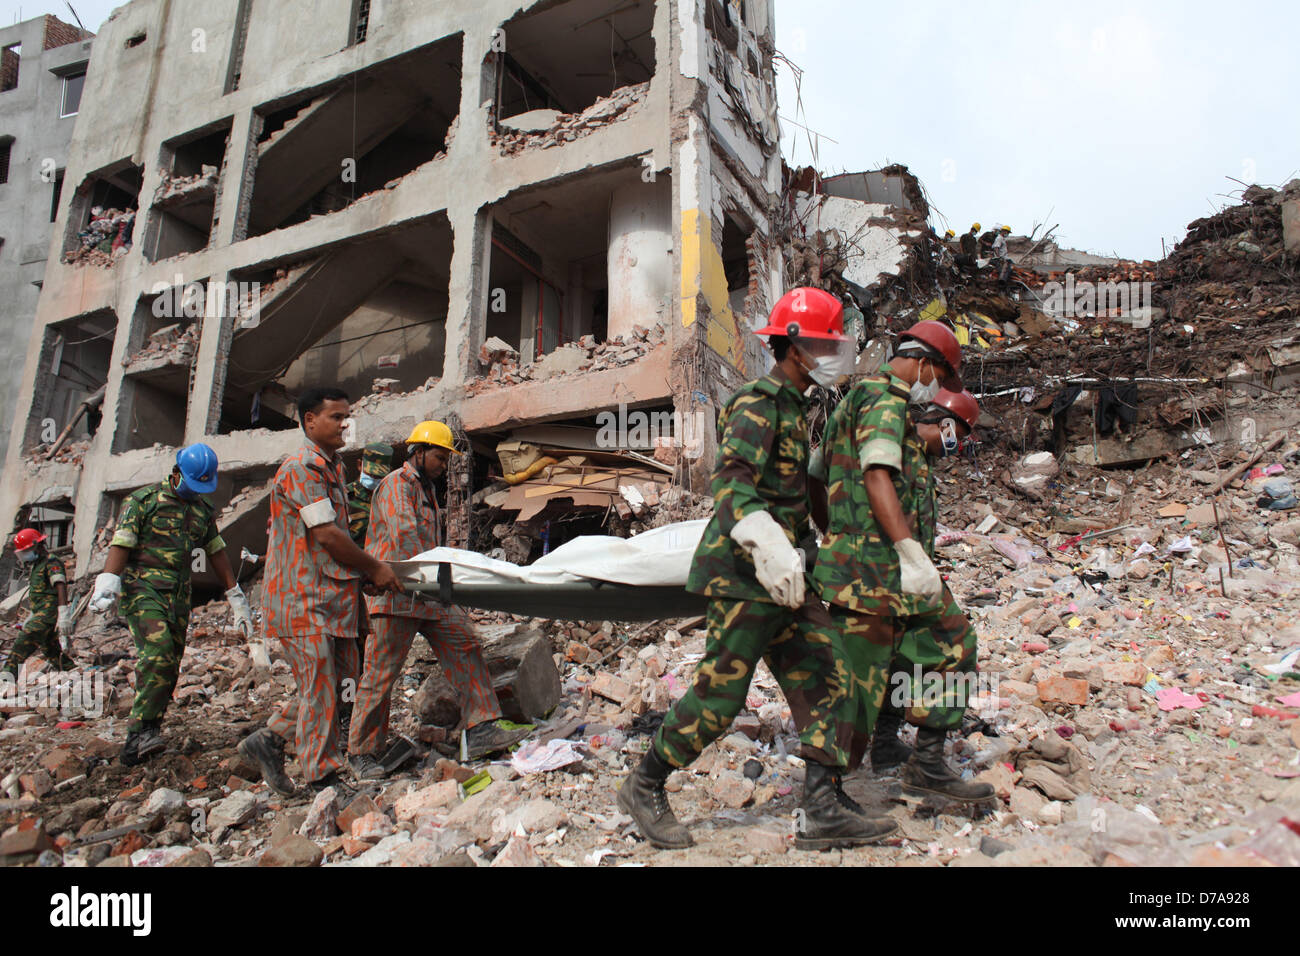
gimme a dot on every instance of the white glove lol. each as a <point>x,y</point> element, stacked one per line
<point>107,588</point>
<point>65,620</point>
<point>242,612</point>
<point>777,564</point>
<point>920,576</point>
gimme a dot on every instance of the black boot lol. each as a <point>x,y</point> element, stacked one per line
<point>642,797</point>
<point>887,750</point>
<point>927,773</point>
<point>142,743</point>
<point>266,749</point>
<point>826,818</point>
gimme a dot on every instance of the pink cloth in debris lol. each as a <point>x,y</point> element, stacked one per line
<point>1292,700</point>
<point>1171,698</point>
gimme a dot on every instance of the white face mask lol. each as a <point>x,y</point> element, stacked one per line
<point>924,394</point>
<point>829,369</point>
<point>26,557</point>
<point>368,481</point>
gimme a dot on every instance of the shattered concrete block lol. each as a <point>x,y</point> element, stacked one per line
<point>239,807</point>
<point>731,789</point>
<point>372,827</point>
<point>1132,673</point>
<point>446,793</point>
<point>292,850</point>
<point>322,816</point>
<point>518,853</point>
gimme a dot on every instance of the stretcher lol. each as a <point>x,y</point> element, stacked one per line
<point>591,578</point>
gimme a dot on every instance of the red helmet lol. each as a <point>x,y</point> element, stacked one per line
<point>807,312</point>
<point>962,404</point>
<point>27,539</point>
<point>940,338</point>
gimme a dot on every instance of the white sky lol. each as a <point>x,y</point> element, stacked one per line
<point>1123,120</point>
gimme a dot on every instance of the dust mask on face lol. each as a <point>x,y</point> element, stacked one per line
<point>26,557</point>
<point>924,394</point>
<point>368,481</point>
<point>829,369</point>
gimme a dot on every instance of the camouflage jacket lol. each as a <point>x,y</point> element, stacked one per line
<point>857,566</point>
<point>42,594</point>
<point>762,466</point>
<point>359,511</point>
<point>405,521</point>
<point>162,530</point>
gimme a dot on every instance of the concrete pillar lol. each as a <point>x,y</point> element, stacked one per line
<point>639,263</point>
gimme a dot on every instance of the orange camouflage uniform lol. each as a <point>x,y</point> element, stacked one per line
<point>404,522</point>
<point>311,604</point>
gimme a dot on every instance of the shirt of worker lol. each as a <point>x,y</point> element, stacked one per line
<point>857,566</point>
<point>42,592</point>
<point>968,244</point>
<point>1000,246</point>
<point>404,522</point>
<point>359,511</point>
<point>306,592</point>
<point>162,530</point>
<point>762,466</point>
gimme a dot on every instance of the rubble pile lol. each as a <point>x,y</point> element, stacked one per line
<point>586,355</point>
<point>71,453</point>
<point>542,129</point>
<point>173,344</point>
<point>178,189</point>
<point>107,236</point>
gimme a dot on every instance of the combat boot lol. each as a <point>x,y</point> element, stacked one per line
<point>927,772</point>
<point>887,750</point>
<point>142,743</point>
<point>642,797</point>
<point>266,749</point>
<point>827,818</point>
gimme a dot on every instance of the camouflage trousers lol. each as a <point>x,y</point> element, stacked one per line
<point>325,669</point>
<point>920,667</point>
<point>801,648</point>
<point>451,635</point>
<point>38,634</point>
<point>158,622</point>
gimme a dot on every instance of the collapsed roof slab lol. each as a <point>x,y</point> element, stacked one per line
<point>645,382</point>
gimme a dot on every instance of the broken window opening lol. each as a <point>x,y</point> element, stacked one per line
<point>736,264</point>
<point>368,315</point>
<point>71,375</point>
<point>238,44</point>
<point>557,274</point>
<point>136,40</point>
<point>9,61</point>
<point>57,194</point>
<point>165,328</point>
<point>6,149</point>
<point>101,223</point>
<point>186,205</point>
<point>360,22</point>
<point>322,152</point>
<point>601,51</point>
<point>717,20</point>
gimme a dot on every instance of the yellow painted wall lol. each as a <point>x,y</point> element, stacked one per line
<point>702,274</point>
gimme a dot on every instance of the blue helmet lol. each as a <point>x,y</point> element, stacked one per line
<point>198,465</point>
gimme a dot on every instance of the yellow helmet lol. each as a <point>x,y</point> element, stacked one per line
<point>1006,228</point>
<point>976,226</point>
<point>948,234</point>
<point>432,433</point>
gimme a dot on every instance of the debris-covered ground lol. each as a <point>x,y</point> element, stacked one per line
<point>1126,538</point>
<point>1124,719</point>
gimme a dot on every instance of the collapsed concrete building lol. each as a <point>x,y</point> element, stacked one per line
<point>506,215</point>
<point>42,75</point>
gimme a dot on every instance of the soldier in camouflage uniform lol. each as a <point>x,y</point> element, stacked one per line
<point>47,595</point>
<point>934,644</point>
<point>376,462</point>
<point>885,593</point>
<point>746,563</point>
<point>162,529</point>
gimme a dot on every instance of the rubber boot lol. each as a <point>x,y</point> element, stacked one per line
<point>642,797</point>
<point>825,821</point>
<point>887,750</point>
<point>927,773</point>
